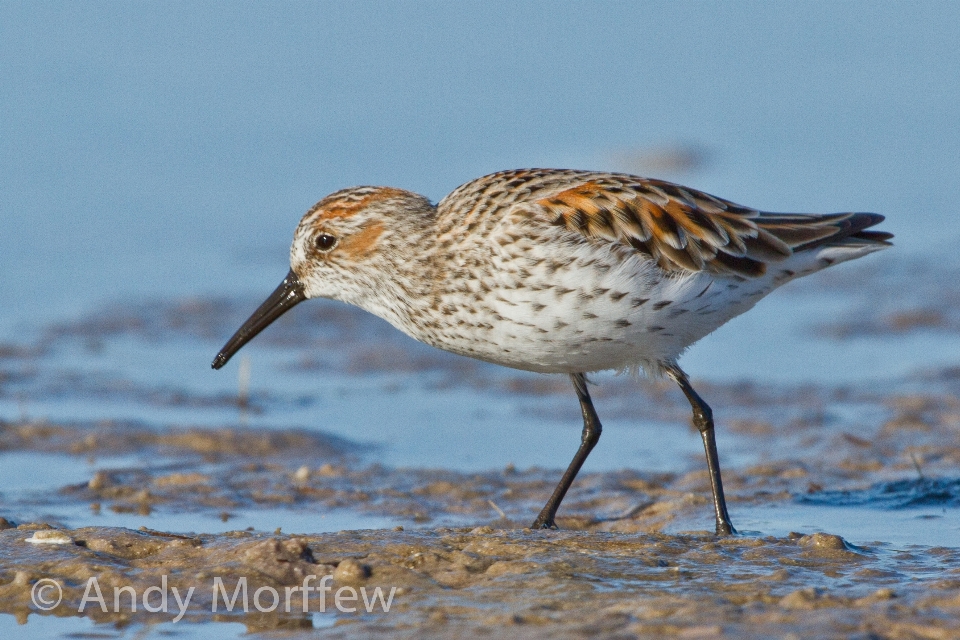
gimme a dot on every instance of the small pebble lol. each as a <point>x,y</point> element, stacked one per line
<point>302,474</point>
<point>823,541</point>
<point>350,570</point>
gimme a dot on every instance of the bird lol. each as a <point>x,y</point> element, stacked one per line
<point>560,271</point>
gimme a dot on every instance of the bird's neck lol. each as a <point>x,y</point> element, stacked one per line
<point>401,287</point>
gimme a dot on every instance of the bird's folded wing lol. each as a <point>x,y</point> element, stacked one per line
<point>687,230</point>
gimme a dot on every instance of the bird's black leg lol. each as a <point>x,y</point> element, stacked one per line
<point>589,438</point>
<point>703,421</point>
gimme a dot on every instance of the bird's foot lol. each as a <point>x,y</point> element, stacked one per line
<point>725,529</point>
<point>544,521</point>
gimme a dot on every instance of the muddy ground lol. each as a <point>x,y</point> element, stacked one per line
<point>496,582</point>
<point>633,558</point>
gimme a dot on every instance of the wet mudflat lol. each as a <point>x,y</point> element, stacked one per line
<point>360,455</point>
<point>489,581</point>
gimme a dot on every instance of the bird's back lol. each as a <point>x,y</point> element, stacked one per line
<point>682,229</point>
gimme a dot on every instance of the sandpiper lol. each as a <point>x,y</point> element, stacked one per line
<point>559,271</point>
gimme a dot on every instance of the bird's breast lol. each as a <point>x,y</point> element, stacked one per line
<point>585,313</point>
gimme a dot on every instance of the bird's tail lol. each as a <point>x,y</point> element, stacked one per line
<point>828,239</point>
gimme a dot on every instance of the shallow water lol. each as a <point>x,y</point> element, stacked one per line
<point>52,627</point>
<point>897,529</point>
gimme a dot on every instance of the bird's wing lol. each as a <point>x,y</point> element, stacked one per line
<point>686,230</point>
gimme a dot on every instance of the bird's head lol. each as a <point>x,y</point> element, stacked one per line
<point>347,247</point>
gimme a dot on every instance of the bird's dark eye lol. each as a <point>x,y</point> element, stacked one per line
<point>325,242</point>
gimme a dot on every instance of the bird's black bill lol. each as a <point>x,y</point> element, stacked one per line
<point>288,295</point>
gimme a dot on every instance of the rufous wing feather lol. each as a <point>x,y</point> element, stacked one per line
<point>686,230</point>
